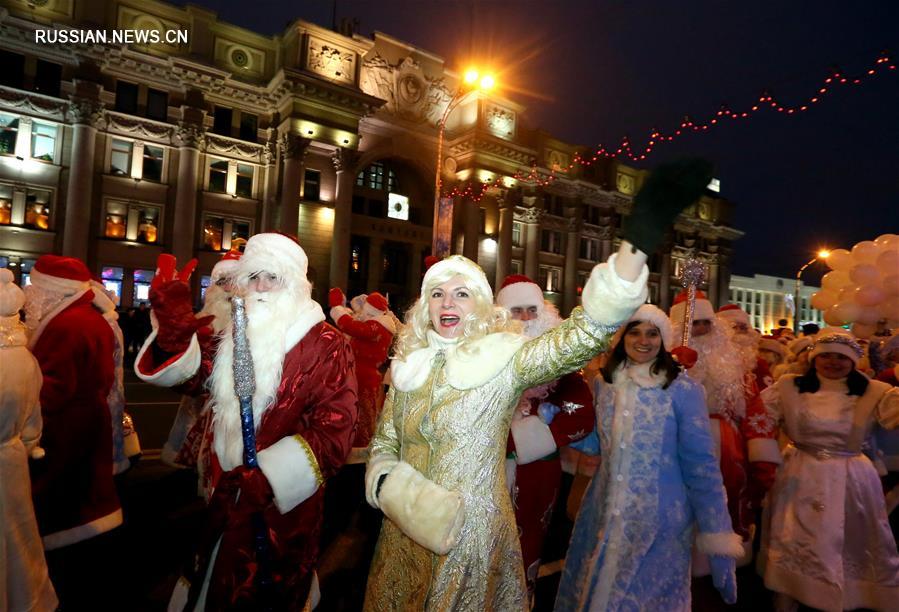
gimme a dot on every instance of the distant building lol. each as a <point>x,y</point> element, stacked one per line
<point>768,299</point>
<point>116,153</point>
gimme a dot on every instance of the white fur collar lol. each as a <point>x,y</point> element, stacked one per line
<point>310,316</point>
<point>467,367</point>
<point>12,332</point>
<point>639,373</point>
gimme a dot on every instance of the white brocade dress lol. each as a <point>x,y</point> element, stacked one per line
<point>826,540</point>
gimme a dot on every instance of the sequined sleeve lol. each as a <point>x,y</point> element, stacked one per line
<point>561,350</point>
<point>385,439</point>
<point>888,409</point>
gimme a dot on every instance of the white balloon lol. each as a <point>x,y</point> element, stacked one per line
<point>824,299</point>
<point>864,274</point>
<point>861,330</point>
<point>869,295</point>
<point>839,259</point>
<point>869,315</point>
<point>846,311</point>
<point>835,280</point>
<point>865,252</point>
<point>888,262</point>
<point>890,284</point>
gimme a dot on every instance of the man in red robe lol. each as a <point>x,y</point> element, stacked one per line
<point>304,409</point>
<point>548,418</point>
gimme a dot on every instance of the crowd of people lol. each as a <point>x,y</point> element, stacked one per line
<point>718,447</point>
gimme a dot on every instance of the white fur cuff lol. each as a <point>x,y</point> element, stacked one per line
<point>377,467</point>
<point>726,544</point>
<point>426,512</point>
<point>609,299</point>
<point>763,449</point>
<point>533,439</point>
<point>182,369</point>
<point>291,470</point>
<point>339,311</point>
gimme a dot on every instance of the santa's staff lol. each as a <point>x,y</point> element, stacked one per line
<point>691,276</point>
<point>244,388</point>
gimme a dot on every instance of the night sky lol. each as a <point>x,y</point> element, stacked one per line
<point>592,71</point>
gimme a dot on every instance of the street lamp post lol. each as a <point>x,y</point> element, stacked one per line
<point>822,254</point>
<point>443,212</point>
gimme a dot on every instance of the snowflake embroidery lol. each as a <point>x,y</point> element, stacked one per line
<point>760,423</point>
<point>571,407</point>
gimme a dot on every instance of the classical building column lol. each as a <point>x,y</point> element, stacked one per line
<point>665,282</point>
<point>270,184</point>
<point>472,225</point>
<point>532,241</point>
<point>344,164</point>
<point>189,139</point>
<point>713,281</point>
<point>506,203</point>
<point>85,114</point>
<point>569,293</point>
<point>375,264</point>
<point>293,151</point>
<point>606,233</point>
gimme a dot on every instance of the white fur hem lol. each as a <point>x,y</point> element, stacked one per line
<point>83,532</point>
<point>609,299</point>
<point>533,439</point>
<point>291,470</point>
<point>182,369</point>
<point>726,543</point>
<point>763,449</point>
<point>377,467</point>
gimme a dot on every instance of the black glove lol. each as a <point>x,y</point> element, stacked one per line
<point>668,190</point>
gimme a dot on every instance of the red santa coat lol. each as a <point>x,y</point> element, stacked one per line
<point>72,487</point>
<point>538,473</point>
<point>370,341</point>
<point>301,440</point>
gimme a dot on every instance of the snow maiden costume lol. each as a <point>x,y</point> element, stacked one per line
<point>631,544</point>
<point>826,541</point>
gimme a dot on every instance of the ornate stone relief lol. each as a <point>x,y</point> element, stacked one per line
<point>233,147</point>
<point>189,135</point>
<point>556,160</point>
<point>625,183</point>
<point>139,128</point>
<point>331,61</point>
<point>500,121</point>
<point>532,214</point>
<point>409,92</point>
<point>344,159</point>
<point>86,111</point>
<point>32,103</point>
<point>293,146</point>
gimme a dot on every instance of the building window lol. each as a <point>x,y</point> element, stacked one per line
<point>13,73</point>
<point>372,177</point>
<point>248,127</point>
<point>396,264</point>
<point>153,159</point>
<point>112,280</point>
<point>37,209</point>
<point>157,105</point>
<point>43,141</point>
<point>126,97</point>
<point>244,183</point>
<point>551,241</point>
<point>9,131</point>
<point>47,78</point>
<point>218,177</point>
<point>225,234</point>
<point>582,277</point>
<point>221,123</point>
<point>589,249</point>
<point>132,221</point>
<point>120,157</point>
<point>553,205</point>
<point>312,185</point>
<point>358,205</point>
<point>591,214</point>
<point>550,279</point>
<point>515,267</point>
<point>516,233</point>
<point>142,280</point>
<point>391,181</point>
<point>5,205</point>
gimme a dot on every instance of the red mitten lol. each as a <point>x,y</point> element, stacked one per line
<point>336,298</point>
<point>761,478</point>
<point>172,302</point>
<point>685,356</point>
<point>255,495</point>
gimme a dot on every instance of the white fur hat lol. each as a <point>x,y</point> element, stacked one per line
<point>519,290</point>
<point>12,298</point>
<point>226,266</point>
<point>837,342</point>
<point>278,254</point>
<point>733,314</point>
<point>702,310</point>
<point>651,314</point>
<point>770,343</point>
<point>458,265</point>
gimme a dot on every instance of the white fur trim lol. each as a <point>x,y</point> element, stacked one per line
<point>66,286</point>
<point>733,315</point>
<point>288,466</point>
<point>533,439</point>
<point>275,253</point>
<point>65,303</point>
<point>511,474</point>
<point>371,311</point>
<point>225,267</point>
<point>80,533</point>
<point>377,467</point>
<point>310,316</point>
<point>520,294</point>
<point>429,514</point>
<point>833,347</point>
<point>702,310</point>
<point>479,363</point>
<point>339,311</point>
<point>656,316</point>
<point>182,369</point>
<point>609,299</point>
<point>763,449</point>
<point>769,344</point>
<point>726,544</point>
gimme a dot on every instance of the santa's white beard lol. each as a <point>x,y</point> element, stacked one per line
<point>38,304</point>
<point>747,345</point>
<point>269,316</point>
<point>720,370</point>
<point>548,319</point>
<point>218,304</point>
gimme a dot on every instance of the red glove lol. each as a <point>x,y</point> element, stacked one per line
<point>172,302</point>
<point>336,298</point>
<point>255,494</point>
<point>685,356</point>
<point>761,478</point>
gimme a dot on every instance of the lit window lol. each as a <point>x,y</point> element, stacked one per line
<point>43,141</point>
<point>225,234</point>
<point>5,205</point>
<point>153,158</point>
<point>391,181</point>
<point>112,279</point>
<point>9,129</point>
<point>550,279</point>
<point>37,209</point>
<point>244,183</point>
<point>212,233</point>
<point>218,176</point>
<point>132,221</point>
<point>376,175</point>
<point>142,280</point>
<point>120,158</point>
<point>516,233</point>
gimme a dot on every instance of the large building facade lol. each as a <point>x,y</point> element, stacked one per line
<point>116,153</point>
<point>768,299</point>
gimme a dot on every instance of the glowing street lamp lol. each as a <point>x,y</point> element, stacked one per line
<point>821,254</point>
<point>472,80</point>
